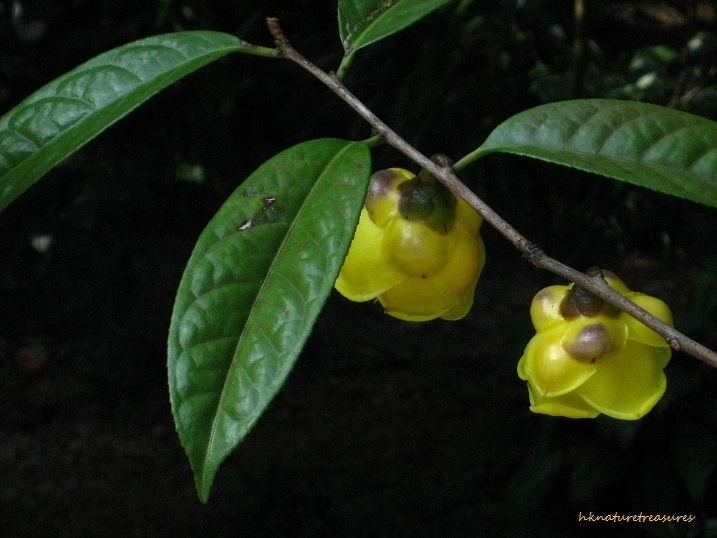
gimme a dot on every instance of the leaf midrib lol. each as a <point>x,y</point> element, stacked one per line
<point>234,361</point>
<point>97,111</point>
<point>665,167</point>
<point>354,37</point>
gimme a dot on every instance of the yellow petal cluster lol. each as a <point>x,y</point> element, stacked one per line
<point>418,270</point>
<point>589,358</point>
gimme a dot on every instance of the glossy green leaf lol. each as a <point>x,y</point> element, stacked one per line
<point>648,145</point>
<point>362,22</point>
<point>63,115</point>
<point>252,289</point>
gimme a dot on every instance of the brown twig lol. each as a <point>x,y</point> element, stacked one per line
<point>531,252</point>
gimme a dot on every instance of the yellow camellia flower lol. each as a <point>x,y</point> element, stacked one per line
<point>589,358</point>
<point>416,249</point>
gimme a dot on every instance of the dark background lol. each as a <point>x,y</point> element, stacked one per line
<point>383,428</point>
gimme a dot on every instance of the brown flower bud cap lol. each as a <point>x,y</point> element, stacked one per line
<point>425,199</point>
<point>580,302</point>
<point>591,343</point>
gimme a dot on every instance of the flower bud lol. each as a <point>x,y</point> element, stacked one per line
<point>416,249</point>
<point>383,194</point>
<point>589,358</point>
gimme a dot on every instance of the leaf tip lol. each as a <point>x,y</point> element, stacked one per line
<point>203,496</point>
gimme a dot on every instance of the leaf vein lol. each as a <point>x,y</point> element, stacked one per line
<point>156,46</point>
<point>257,301</point>
<point>203,294</point>
<point>211,340</point>
<point>26,136</point>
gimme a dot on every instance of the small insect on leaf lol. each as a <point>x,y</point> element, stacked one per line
<point>266,213</point>
<point>252,290</point>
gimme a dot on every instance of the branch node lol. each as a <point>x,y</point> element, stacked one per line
<point>674,343</point>
<point>277,33</point>
<point>531,251</point>
<point>443,161</point>
<point>596,274</point>
<point>377,131</point>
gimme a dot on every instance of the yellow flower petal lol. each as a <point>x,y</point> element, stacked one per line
<point>642,333</point>
<point>662,356</point>
<point>383,195</point>
<point>522,371</point>
<point>474,249</point>
<point>628,384</point>
<point>448,293</point>
<point>415,299</point>
<point>416,250</point>
<point>462,307</point>
<point>551,369</point>
<point>365,274</point>
<point>568,405</point>
<point>467,219</point>
<point>615,282</point>
<point>545,307</point>
<point>461,273</point>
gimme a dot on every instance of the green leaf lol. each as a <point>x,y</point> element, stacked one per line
<point>65,114</point>
<point>252,289</point>
<point>362,22</point>
<point>648,145</point>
